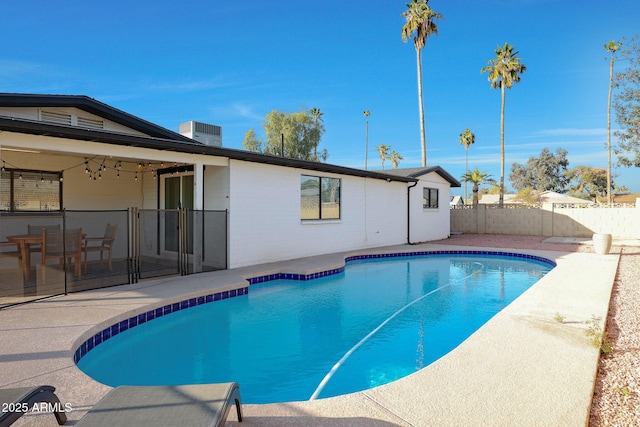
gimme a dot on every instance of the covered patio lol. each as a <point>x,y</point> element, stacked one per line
<point>139,211</point>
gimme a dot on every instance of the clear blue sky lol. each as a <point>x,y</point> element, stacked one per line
<point>232,62</point>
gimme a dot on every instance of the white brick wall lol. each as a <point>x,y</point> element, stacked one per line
<point>265,222</point>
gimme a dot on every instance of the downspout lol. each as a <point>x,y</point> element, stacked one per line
<point>409,212</point>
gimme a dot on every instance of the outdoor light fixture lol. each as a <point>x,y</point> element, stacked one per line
<point>18,150</point>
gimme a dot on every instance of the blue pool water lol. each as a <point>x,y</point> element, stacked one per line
<point>287,340</point>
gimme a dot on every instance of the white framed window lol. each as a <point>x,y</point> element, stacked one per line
<point>319,197</point>
<point>28,190</point>
<point>430,198</point>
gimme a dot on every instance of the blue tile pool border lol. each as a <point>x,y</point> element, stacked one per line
<point>160,311</point>
<point>154,313</point>
<point>311,276</point>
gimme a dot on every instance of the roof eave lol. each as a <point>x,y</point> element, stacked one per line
<point>92,106</point>
<point>440,171</point>
<point>189,146</point>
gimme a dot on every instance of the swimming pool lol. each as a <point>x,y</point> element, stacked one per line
<point>372,323</point>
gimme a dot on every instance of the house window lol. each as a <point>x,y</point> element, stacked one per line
<point>430,198</point>
<point>319,197</point>
<point>22,190</point>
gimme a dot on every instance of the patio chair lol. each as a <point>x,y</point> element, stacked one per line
<point>53,246</point>
<point>104,244</point>
<point>37,229</point>
<point>33,230</point>
<point>187,405</point>
<point>19,401</point>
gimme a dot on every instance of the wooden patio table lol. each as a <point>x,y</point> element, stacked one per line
<point>24,241</point>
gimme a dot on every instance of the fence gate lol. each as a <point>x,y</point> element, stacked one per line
<point>177,241</point>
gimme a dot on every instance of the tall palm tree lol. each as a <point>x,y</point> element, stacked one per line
<point>317,117</point>
<point>467,138</point>
<point>477,178</point>
<point>395,158</point>
<point>612,48</point>
<point>504,70</point>
<point>366,114</point>
<point>383,150</point>
<point>421,20</point>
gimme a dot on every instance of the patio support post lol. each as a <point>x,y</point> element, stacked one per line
<point>198,207</point>
<point>198,186</point>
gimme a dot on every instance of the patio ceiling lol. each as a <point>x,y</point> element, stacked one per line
<point>94,163</point>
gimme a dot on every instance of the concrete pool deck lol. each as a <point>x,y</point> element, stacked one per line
<point>522,368</point>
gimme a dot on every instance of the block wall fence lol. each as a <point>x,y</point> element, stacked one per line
<point>550,220</point>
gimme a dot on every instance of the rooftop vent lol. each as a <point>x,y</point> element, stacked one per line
<point>202,132</point>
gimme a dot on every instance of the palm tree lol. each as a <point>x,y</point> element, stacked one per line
<point>504,70</point>
<point>383,149</point>
<point>395,158</point>
<point>421,20</point>
<point>317,116</point>
<point>612,48</point>
<point>477,178</point>
<point>467,138</point>
<point>366,113</point>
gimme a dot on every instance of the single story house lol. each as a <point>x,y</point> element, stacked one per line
<point>456,201</point>
<point>74,153</point>
<point>555,197</point>
<point>632,198</point>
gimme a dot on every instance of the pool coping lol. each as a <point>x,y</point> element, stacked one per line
<point>128,320</point>
<point>551,385</point>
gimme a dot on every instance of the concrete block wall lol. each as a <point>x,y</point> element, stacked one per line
<point>550,220</point>
<point>504,221</point>
<point>465,221</point>
<point>622,223</point>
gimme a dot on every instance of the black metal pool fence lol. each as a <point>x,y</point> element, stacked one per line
<point>44,254</point>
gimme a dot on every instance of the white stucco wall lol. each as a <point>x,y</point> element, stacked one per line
<point>265,224</point>
<point>216,188</point>
<point>430,224</point>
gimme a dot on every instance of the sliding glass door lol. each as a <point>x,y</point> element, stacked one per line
<point>178,193</point>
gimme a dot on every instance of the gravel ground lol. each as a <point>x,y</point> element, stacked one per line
<point>616,397</point>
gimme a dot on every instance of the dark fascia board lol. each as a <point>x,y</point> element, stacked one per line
<point>418,172</point>
<point>189,146</point>
<point>440,171</point>
<point>92,106</point>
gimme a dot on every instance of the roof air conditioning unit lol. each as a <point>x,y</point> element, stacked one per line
<point>202,132</point>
